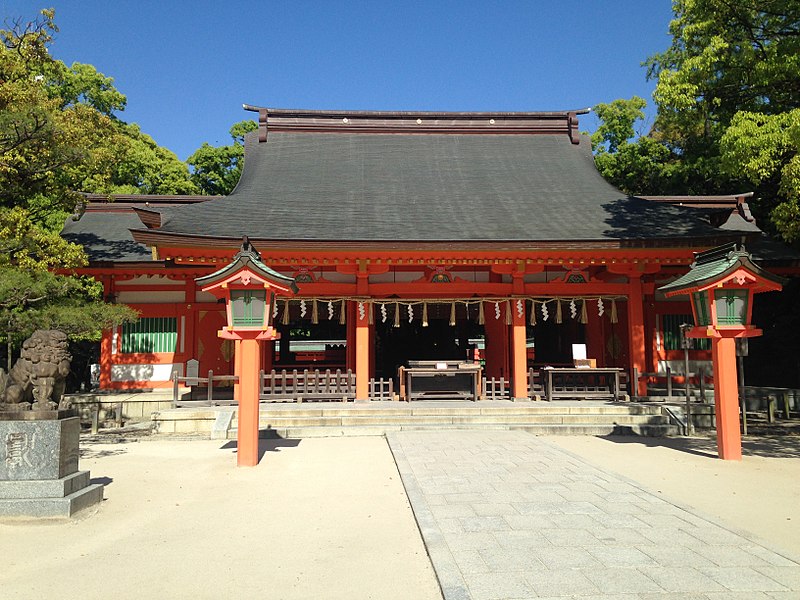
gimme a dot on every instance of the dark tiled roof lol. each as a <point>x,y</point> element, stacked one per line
<point>106,236</point>
<point>428,187</point>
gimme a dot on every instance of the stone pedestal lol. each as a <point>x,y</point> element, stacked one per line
<point>39,474</point>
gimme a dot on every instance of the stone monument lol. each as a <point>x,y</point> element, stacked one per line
<point>39,435</point>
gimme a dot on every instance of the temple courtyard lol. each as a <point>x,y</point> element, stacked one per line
<point>502,514</point>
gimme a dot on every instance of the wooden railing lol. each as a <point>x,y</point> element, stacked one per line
<point>197,381</point>
<point>308,385</point>
<point>495,388</point>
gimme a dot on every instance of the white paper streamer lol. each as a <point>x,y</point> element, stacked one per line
<point>302,308</point>
<point>410,313</point>
<point>384,314</point>
<point>330,310</point>
<point>496,310</point>
<point>545,314</point>
<point>600,308</point>
<point>361,311</point>
<point>573,309</point>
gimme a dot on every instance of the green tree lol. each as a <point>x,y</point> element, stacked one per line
<point>733,70</point>
<point>216,169</point>
<point>57,130</point>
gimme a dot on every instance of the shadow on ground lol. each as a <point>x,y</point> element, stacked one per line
<point>266,445</point>
<point>705,444</point>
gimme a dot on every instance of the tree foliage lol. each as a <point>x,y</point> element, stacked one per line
<point>58,134</point>
<point>727,92</point>
<point>216,169</point>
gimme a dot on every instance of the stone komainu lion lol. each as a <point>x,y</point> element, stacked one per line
<point>37,378</point>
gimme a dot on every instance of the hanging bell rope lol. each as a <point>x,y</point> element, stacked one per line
<point>453,314</point>
<point>396,314</point>
<point>424,314</point>
<point>559,316</point>
<point>614,316</point>
<point>342,314</point>
<point>481,315</point>
<point>314,312</point>
<point>371,319</point>
<point>533,312</point>
<point>584,313</point>
<point>509,316</point>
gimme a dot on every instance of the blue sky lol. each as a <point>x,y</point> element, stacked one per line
<point>187,67</point>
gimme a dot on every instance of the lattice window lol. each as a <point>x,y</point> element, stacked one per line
<point>150,334</point>
<point>671,330</point>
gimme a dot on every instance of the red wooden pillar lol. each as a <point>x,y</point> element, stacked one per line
<point>362,350</point>
<point>105,358</point>
<point>247,435</point>
<point>496,350</point>
<point>594,336</point>
<point>237,369</point>
<point>519,390</point>
<point>350,334</point>
<point>636,339</point>
<point>726,398</point>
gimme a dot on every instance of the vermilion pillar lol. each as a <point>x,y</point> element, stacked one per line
<point>237,368</point>
<point>726,398</point>
<point>636,341</point>
<point>519,390</point>
<point>248,371</point>
<point>362,351</point>
<point>496,349</point>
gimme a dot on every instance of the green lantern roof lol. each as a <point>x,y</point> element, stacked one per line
<point>716,264</point>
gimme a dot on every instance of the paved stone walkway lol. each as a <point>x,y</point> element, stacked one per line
<point>506,515</point>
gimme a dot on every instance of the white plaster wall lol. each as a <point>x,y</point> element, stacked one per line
<point>145,372</point>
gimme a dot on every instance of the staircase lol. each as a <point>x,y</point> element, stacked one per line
<point>331,420</point>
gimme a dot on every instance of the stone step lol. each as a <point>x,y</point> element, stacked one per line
<point>347,421</point>
<point>352,410</point>
<point>599,429</point>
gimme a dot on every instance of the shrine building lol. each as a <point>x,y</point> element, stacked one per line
<point>411,236</point>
